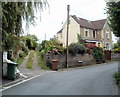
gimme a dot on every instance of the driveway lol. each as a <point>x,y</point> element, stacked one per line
<point>95,80</point>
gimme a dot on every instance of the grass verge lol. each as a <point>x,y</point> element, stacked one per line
<point>19,60</point>
<point>40,62</point>
<point>117,78</point>
<point>29,63</point>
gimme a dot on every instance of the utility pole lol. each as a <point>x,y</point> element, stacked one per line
<point>68,10</point>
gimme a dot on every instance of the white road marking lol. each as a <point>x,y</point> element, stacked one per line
<point>23,75</point>
<point>5,88</point>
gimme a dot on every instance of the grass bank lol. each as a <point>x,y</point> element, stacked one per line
<point>21,57</point>
<point>19,60</point>
<point>117,78</point>
<point>41,64</point>
<point>29,63</point>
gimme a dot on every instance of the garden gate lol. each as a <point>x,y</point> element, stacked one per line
<point>107,54</point>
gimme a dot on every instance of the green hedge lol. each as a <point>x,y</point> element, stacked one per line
<point>76,48</point>
<point>98,54</point>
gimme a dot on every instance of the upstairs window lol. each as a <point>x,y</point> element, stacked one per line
<point>94,34</point>
<point>61,35</point>
<point>107,34</point>
<point>86,31</point>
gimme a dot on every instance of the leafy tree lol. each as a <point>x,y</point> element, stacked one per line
<point>113,10</point>
<point>116,45</point>
<point>13,14</point>
<point>31,41</point>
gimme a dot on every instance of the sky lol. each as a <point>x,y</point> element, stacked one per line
<point>52,18</point>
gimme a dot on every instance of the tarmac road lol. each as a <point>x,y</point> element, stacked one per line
<point>94,80</point>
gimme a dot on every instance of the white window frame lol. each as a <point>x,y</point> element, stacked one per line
<point>85,29</point>
<point>107,35</point>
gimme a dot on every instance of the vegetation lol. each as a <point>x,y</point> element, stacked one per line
<point>116,47</point>
<point>98,54</point>
<point>29,63</point>
<point>51,46</point>
<point>31,41</point>
<point>80,40</point>
<point>41,64</point>
<point>76,48</point>
<point>13,14</point>
<point>113,10</point>
<point>117,78</point>
<point>19,60</point>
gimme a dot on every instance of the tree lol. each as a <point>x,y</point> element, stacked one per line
<point>113,10</point>
<point>13,14</point>
<point>31,41</point>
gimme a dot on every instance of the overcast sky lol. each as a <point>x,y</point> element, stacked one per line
<point>52,18</point>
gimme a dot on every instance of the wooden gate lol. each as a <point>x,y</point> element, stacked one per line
<point>107,54</point>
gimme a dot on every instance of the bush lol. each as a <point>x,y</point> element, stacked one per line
<point>22,55</point>
<point>98,54</point>
<point>117,78</point>
<point>25,49</point>
<point>81,49</point>
<point>76,48</point>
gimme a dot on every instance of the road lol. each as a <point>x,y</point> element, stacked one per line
<point>95,80</point>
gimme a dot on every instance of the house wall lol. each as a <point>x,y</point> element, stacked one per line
<point>74,29</point>
<point>90,37</point>
<point>106,39</point>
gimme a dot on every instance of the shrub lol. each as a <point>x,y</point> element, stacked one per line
<point>98,54</point>
<point>81,49</point>
<point>25,49</point>
<point>22,55</point>
<point>117,78</point>
<point>91,45</point>
<point>76,48</point>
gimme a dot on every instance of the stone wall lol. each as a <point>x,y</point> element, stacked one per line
<point>78,60</point>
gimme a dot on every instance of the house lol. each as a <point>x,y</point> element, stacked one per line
<point>97,32</point>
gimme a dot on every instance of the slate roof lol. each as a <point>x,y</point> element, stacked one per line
<point>97,25</point>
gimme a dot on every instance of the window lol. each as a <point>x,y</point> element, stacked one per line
<point>86,32</point>
<point>94,34</point>
<point>107,34</point>
<point>61,35</point>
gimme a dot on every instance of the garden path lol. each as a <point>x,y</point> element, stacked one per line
<point>35,69</point>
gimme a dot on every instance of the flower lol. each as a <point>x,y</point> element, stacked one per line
<point>49,51</point>
<point>55,50</point>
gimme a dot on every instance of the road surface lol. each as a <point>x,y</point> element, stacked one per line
<point>94,80</point>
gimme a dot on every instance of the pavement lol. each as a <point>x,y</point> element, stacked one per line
<point>24,72</point>
<point>95,80</point>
